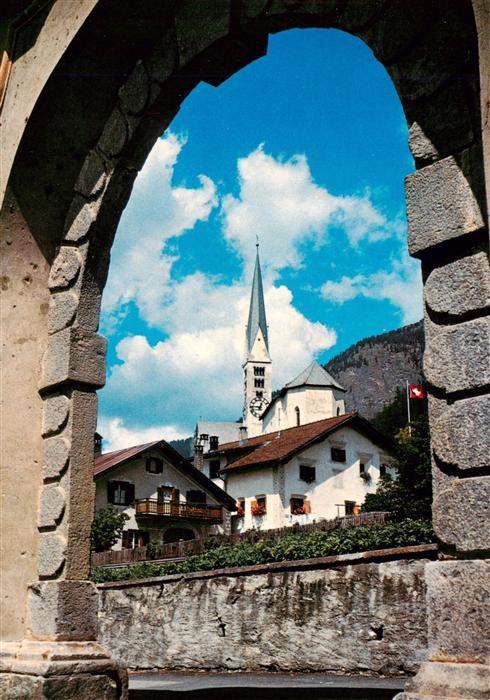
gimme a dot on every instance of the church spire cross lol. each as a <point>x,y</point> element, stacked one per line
<point>256,314</point>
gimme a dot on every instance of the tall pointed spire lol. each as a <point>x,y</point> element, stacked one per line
<point>256,314</point>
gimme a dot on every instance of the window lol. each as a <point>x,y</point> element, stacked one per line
<point>259,383</point>
<point>134,538</point>
<point>259,394</point>
<point>213,442</point>
<point>382,469</point>
<point>307,473</point>
<point>214,466</point>
<point>350,507</point>
<point>337,454</point>
<point>193,496</point>
<point>259,506</point>
<point>240,507</point>
<point>154,465</point>
<point>121,493</point>
<point>362,468</point>
<point>298,505</point>
<point>259,371</point>
<point>298,416</point>
<point>164,494</point>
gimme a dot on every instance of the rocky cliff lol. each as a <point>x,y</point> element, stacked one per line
<point>374,368</point>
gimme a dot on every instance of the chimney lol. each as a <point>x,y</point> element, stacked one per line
<point>243,434</point>
<point>198,457</point>
<point>97,445</point>
<point>213,442</point>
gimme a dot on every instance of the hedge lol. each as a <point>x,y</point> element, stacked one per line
<point>294,546</point>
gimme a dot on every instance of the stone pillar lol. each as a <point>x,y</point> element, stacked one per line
<point>447,230</point>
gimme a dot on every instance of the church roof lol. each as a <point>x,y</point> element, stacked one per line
<point>256,314</point>
<point>314,375</point>
<point>280,446</point>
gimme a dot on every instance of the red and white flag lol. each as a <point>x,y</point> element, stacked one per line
<point>415,391</point>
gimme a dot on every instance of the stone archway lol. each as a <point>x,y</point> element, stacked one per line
<point>70,180</point>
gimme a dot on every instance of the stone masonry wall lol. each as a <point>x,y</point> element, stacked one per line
<point>355,616</point>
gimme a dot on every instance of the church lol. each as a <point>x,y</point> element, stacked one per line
<point>297,456</point>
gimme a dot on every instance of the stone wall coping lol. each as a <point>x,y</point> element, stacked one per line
<point>377,555</point>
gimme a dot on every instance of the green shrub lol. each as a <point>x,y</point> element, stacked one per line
<point>107,527</point>
<point>291,547</point>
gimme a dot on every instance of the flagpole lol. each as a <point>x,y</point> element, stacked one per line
<point>408,411</point>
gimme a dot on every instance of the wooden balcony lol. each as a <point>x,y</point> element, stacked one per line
<point>185,511</point>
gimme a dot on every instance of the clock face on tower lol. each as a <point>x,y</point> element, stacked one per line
<point>258,405</point>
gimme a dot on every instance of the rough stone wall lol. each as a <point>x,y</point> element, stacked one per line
<point>365,617</point>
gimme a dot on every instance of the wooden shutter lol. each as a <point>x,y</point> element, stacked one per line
<point>126,543</point>
<point>110,491</point>
<point>175,498</point>
<point>129,494</point>
<point>307,506</point>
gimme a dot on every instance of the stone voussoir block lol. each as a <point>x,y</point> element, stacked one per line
<point>459,287</point>
<point>92,176</point>
<point>459,623</point>
<point>76,355</point>
<point>55,414</point>
<point>64,610</point>
<point>114,135</point>
<point>199,25</point>
<point>62,310</point>
<point>81,217</point>
<point>459,432</point>
<point>51,554</point>
<point>52,505</point>
<point>65,268</point>
<point>134,94</point>
<point>456,356</point>
<point>445,200</point>
<point>461,513</point>
<point>56,453</point>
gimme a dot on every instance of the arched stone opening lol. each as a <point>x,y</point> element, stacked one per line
<point>68,187</point>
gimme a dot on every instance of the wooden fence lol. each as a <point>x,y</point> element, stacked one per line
<point>183,549</point>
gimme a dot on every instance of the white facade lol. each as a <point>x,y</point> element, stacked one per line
<point>146,486</point>
<point>303,404</point>
<point>335,482</point>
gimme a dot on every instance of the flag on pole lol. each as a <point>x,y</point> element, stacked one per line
<point>415,391</point>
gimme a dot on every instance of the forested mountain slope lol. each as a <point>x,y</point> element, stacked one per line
<point>373,369</point>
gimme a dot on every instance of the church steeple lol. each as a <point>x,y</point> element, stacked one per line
<point>256,313</point>
<point>257,368</point>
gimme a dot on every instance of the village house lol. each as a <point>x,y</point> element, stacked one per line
<point>165,497</point>
<point>303,474</point>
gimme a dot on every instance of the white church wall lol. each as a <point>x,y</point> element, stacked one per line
<point>313,403</point>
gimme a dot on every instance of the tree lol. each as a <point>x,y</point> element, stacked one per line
<point>107,527</point>
<point>409,494</point>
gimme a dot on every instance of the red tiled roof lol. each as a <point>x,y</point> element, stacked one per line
<point>280,445</point>
<point>112,459</point>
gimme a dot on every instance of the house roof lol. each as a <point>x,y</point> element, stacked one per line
<point>110,460</point>
<point>313,375</point>
<point>280,446</point>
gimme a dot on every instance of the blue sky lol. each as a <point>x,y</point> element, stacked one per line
<point>306,148</point>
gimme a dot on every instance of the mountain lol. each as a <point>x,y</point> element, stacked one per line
<point>183,447</point>
<point>374,368</point>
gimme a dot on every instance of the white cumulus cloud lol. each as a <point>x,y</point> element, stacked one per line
<point>281,203</point>
<point>401,286</point>
<point>140,269</point>
<point>117,435</point>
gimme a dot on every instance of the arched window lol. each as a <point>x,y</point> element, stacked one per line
<point>298,416</point>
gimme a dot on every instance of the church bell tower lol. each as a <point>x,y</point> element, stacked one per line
<point>257,367</point>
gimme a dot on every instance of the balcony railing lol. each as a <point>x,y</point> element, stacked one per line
<point>194,511</point>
